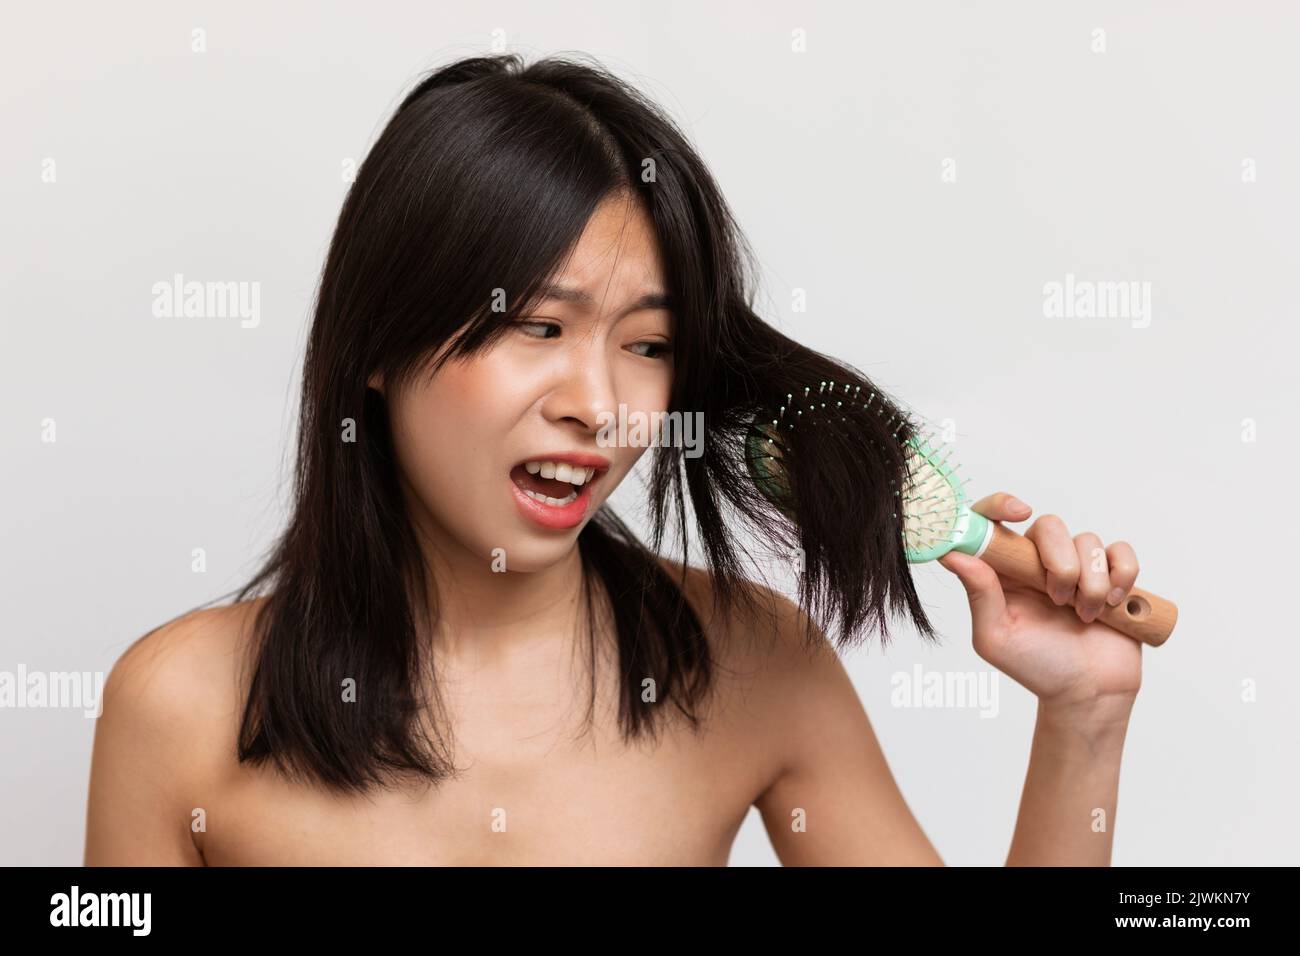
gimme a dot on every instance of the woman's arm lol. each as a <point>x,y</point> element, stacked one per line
<point>1086,677</point>
<point>1067,809</point>
<point>835,802</point>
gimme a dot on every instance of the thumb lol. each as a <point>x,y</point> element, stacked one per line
<point>988,605</point>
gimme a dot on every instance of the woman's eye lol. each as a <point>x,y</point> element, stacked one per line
<point>658,350</point>
<point>525,323</point>
<point>542,330</point>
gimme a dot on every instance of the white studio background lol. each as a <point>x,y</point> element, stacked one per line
<point>912,177</point>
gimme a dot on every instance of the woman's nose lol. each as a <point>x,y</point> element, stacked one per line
<point>585,386</point>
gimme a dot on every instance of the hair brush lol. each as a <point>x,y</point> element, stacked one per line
<point>934,513</point>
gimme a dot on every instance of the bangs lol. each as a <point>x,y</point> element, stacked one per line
<point>485,224</point>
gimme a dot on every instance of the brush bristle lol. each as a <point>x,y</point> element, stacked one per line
<point>931,502</point>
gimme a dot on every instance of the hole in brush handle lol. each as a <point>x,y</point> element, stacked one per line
<point>1138,608</point>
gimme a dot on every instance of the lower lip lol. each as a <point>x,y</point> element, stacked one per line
<point>551,517</point>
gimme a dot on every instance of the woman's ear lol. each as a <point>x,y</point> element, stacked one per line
<point>376,381</point>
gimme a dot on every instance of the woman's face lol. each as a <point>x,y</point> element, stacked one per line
<point>491,448</point>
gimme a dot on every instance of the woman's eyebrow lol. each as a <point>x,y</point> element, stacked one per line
<point>562,293</point>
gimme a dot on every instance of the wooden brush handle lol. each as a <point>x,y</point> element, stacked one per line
<point>1143,616</point>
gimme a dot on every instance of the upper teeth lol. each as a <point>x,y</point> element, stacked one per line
<point>562,470</point>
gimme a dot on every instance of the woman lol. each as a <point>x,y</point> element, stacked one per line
<point>457,655</point>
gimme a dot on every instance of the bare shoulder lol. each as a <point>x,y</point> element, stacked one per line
<point>829,796</point>
<point>184,670</point>
<point>167,730</point>
<point>774,663</point>
<point>769,631</point>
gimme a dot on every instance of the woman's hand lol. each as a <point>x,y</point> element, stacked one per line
<point>1053,645</point>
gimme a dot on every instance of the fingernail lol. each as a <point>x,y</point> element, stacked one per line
<point>1016,503</point>
<point>1061,597</point>
<point>1115,596</point>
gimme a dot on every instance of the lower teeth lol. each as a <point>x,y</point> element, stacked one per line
<point>571,497</point>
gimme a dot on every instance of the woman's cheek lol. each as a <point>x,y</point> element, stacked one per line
<point>424,454</point>
<point>453,450</point>
<point>463,502</point>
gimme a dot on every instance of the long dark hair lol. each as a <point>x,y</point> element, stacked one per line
<point>483,179</point>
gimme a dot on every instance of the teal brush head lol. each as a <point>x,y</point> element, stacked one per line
<point>937,515</point>
<point>934,513</point>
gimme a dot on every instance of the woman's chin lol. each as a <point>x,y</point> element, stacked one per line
<point>530,556</point>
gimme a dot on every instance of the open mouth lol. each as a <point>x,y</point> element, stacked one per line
<point>554,483</point>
